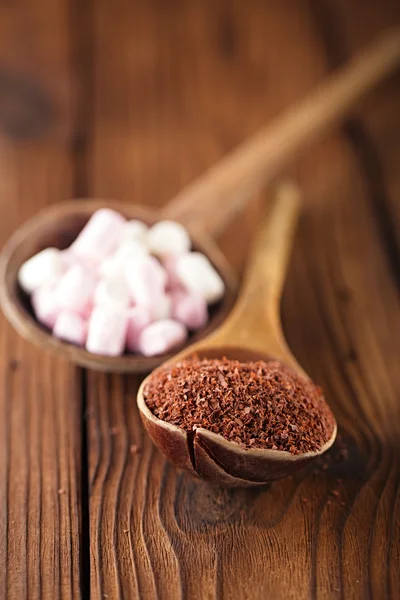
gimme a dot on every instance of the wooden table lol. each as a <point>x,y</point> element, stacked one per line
<point>133,99</point>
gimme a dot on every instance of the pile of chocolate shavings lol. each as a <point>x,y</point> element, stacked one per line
<point>255,404</point>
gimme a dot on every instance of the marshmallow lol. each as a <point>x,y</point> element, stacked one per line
<point>138,318</point>
<point>87,310</point>
<point>169,264</point>
<point>44,306</point>
<point>146,279</point>
<point>71,259</point>
<point>70,327</point>
<point>75,289</point>
<point>170,290</point>
<point>198,276</point>
<point>125,254</point>
<point>107,330</point>
<point>161,336</point>
<point>100,235</point>
<point>160,307</point>
<point>135,230</point>
<point>168,237</point>
<point>41,269</point>
<point>112,292</point>
<point>189,309</point>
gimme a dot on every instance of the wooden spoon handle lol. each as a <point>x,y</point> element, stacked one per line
<point>254,322</point>
<point>211,201</point>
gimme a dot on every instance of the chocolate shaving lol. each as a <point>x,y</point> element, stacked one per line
<point>255,404</point>
<point>222,379</point>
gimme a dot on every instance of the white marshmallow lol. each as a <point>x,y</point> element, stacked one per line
<point>75,289</point>
<point>44,306</point>
<point>112,292</point>
<point>160,337</point>
<point>126,253</point>
<point>168,237</point>
<point>189,309</point>
<point>100,235</point>
<point>135,230</point>
<point>146,279</point>
<point>198,276</point>
<point>70,327</point>
<point>107,330</point>
<point>138,318</point>
<point>41,269</point>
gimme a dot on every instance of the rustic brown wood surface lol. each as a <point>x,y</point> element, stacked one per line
<point>40,400</point>
<point>132,99</point>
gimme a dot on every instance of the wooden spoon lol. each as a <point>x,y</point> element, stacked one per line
<point>57,226</point>
<point>205,206</point>
<point>251,332</point>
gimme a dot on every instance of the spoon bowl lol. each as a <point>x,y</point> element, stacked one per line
<point>209,455</point>
<point>251,332</point>
<point>58,226</point>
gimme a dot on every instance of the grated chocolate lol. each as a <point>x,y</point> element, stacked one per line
<point>255,404</point>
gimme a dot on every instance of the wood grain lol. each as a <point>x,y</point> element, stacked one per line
<point>177,88</point>
<point>133,100</point>
<point>40,400</point>
<point>259,158</point>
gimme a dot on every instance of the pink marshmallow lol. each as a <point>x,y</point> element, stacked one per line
<point>75,289</point>
<point>146,279</point>
<point>138,318</point>
<point>44,306</point>
<point>161,336</point>
<point>70,327</point>
<point>107,331</point>
<point>169,263</point>
<point>87,310</point>
<point>160,307</point>
<point>70,259</point>
<point>100,235</point>
<point>189,309</point>
<point>126,253</point>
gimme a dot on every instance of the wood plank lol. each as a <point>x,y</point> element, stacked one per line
<point>40,400</point>
<point>370,130</point>
<point>362,272</point>
<point>175,88</point>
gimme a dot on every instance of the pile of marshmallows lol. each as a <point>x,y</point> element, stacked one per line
<point>122,286</point>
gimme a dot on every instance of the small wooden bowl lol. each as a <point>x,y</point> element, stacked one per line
<point>58,226</point>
